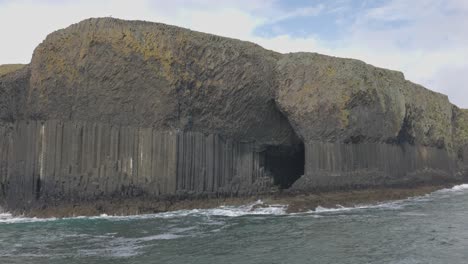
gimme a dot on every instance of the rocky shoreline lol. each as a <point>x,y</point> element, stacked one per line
<point>121,117</point>
<point>296,202</point>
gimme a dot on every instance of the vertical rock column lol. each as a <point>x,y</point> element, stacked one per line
<point>85,160</point>
<point>367,164</point>
<point>212,164</point>
<point>20,178</point>
<point>5,139</point>
<point>80,160</point>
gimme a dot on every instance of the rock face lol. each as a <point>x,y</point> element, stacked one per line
<point>363,125</point>
<point>7,68</point>
<point>126,108</point>
<point>153,75</point>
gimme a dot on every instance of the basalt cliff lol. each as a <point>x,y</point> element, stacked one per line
<point>114,108</point>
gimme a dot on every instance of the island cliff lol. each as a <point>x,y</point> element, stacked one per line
<point>112,108</point>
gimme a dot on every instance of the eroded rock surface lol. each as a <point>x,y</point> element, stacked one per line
<point>127,108</point>
<point>147,74</point>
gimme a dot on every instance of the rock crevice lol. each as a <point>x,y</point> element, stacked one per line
<point>109,107</point>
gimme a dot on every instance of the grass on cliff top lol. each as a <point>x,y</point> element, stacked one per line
<point>7,68</point>
<point>461,127</point>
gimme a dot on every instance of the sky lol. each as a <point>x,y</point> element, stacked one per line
<point>425,39</point>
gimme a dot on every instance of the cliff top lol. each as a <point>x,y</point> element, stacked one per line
<point>8,68</point>
<point>155,75</point>
<point>114,27</point>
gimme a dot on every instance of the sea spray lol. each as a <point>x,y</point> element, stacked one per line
<point>257,208</point>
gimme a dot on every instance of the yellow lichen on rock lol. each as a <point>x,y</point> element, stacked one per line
<point>8,68</point>
<point>461,127</point>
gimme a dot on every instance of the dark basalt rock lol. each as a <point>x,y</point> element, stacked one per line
<point>113,108</point>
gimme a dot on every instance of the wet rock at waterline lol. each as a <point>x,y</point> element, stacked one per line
<point>113,108</point>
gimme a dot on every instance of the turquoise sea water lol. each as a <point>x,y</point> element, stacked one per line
<point>428,229</point>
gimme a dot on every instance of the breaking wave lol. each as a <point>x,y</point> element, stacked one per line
<point>256,208</point>
<point>456,189</point>
<point>9,219</point>
<point>252,209</point>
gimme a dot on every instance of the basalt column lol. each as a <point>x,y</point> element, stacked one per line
<point>81,160</point>
<point>340,165</point>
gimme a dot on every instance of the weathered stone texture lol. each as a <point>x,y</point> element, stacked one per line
<point>338,165</point>
<point>334,99</point>
<point>13,89</point>
<point>145,74</point>
<point>81,160</point>
<point>9,68</point>
<point>125,108</point>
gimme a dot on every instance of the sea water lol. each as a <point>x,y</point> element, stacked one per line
<point>427,229</point>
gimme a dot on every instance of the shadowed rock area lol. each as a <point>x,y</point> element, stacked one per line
<point>111,108</point>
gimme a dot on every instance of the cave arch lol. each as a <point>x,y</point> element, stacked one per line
<point>285,162</point>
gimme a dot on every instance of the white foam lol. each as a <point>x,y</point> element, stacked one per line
<point>390,205</point>
<point>182,229</point>
<point>320,209</point>
<point>448,192</point>
<point>256,208</point>
<point>167,236</point>
<point>7,218</point>
<point>460,187</point>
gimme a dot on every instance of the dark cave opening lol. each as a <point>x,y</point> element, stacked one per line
<point>284,163</point>
<point>404,135</point>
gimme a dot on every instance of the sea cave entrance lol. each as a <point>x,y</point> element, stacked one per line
<point>284,163</point>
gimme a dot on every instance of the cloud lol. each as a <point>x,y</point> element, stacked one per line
<point>31,21</point>
<point>425,39</point>
<point>428,47</point>
<point>26,23</point>
<point>452,81</point>
<point>299,12</point>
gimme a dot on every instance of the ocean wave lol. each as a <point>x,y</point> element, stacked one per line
<point>8,218</point>
<point>455,189</point>
<point>166,236</point>
<point>252,209</point>
<point>397,204</point>
<point>387,205</point>
<point>121,247</point>
<point>256,208</point>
